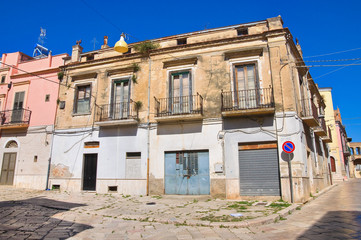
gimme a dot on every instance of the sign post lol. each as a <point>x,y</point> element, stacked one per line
<point>288,147</point>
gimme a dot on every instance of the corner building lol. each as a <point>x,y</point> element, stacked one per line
<point>207,113</point>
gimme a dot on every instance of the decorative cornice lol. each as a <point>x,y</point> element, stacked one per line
<point>191,46</point>
<point>243,53</point>
<point>31,74</point>
<point>178,62</point>
<point>21,83</point>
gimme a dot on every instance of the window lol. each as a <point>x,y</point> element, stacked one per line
<point>180,92</point>
<point>17,113</point>
<point>47,97</point>
<point>3,79</point>
<point>246,86</point>
<point>90,57</point>
<point>119,108</point>
<point>182,41</point>
<point>129,51</point>
<point>242,31</point>
<point>82,99</point>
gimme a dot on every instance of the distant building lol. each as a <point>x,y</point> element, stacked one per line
<point>28,104</point>
<point>339,150</point>
<point>205,113</point>
<point>355,159</point>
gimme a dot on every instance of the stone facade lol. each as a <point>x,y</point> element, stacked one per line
<point>212,97</point>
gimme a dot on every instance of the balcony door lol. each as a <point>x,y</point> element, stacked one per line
<point>17,114</point>
<point>246,87</point>
<point>120,99</point>
<point>180,96</point>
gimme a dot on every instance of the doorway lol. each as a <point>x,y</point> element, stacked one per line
<point>90,172</point>
<point>8,169</point>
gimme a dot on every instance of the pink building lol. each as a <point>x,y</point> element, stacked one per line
<point>28,101</point>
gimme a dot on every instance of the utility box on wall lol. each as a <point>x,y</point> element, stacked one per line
<point>218,168</point>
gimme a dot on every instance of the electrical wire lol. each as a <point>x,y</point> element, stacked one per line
<point>332,60</point>
<point>332,53</point>
<point>101,15</point>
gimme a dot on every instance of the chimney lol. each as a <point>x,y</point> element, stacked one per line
<point>77,50</point>
<point>105,45</point>
<point>275,23</point>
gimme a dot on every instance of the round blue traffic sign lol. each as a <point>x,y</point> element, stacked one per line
<point>288,147</point>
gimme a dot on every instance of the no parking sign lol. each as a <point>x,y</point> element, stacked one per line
<point>288,147</point>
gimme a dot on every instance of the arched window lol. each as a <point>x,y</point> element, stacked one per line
<point>11,144</point>
<point>352,150</point>
<point>333,164</point>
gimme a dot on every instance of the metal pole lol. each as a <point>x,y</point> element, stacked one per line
<point>290,176</point>
<point>148,123</point>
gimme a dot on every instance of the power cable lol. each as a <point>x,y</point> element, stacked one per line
<point>332,53</point>
<point>332,60</point>
<point>101,15</point>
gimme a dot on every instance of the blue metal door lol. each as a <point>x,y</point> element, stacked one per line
<point>187,173</point>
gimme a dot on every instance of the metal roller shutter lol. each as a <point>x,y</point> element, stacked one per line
<point>258,172</point>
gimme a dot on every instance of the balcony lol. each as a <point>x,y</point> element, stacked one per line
<point>328,138</point>
<point>321,130</point>
<point>121,113</point>
<point>15,119</point>
<point>247,102</point>
<point>309,113</point>
<point>346,151</point>
<point>179,108</point>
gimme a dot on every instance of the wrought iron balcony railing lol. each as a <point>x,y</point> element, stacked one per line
<point>247,99</point>
<point>15,117</point>
<point>323,124</point>
<point>307,110</point>
<point>183,105</point>
<point>116,111</point>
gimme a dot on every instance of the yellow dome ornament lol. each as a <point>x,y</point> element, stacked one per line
<point>121,46</point>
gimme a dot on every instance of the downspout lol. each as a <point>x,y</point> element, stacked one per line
<point>52,141</point>
<point>148,122</point>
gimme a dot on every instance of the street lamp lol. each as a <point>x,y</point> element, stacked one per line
<point>121,46</point>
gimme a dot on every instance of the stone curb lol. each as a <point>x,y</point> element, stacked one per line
<point>320,193</point>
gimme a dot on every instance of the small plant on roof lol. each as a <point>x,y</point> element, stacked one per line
<point>145,47</point>
<point>60,75</point>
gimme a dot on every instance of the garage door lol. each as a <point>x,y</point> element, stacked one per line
<point>187,173</point>
<point>259,172</point>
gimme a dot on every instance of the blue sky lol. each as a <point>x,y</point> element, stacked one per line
<point>322,27</point>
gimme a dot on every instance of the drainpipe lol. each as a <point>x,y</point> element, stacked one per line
<point>148,123</point>
<point>52,141</point>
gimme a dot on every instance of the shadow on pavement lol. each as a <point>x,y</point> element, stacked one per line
<point>335,225</point>
<point>32,219</point>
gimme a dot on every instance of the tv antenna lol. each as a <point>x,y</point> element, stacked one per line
<point>39,50</point>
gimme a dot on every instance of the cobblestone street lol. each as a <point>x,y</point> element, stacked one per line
<point>26,214</point>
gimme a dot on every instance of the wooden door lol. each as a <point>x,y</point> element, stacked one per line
<point>8,169</point>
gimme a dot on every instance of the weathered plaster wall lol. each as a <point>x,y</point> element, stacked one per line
<point>36,142</point>
<point>114,143</point>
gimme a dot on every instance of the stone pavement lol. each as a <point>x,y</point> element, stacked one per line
<point>334,215</point>
<point>27,214</point>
